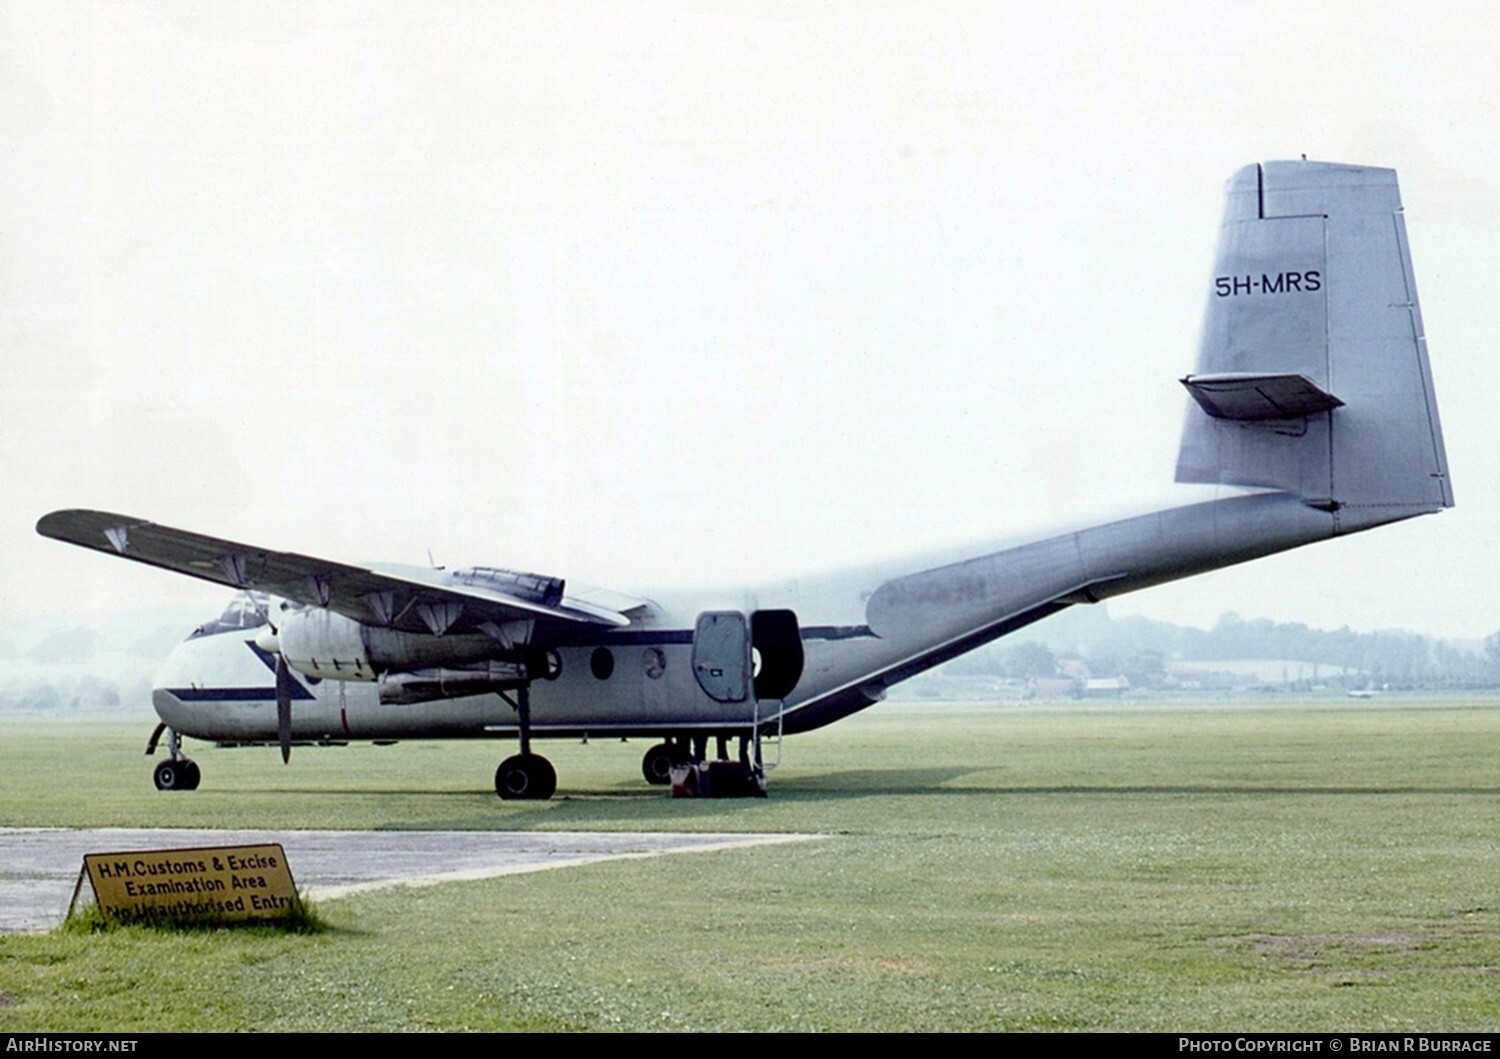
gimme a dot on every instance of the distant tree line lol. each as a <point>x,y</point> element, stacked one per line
<point>1141,649</point>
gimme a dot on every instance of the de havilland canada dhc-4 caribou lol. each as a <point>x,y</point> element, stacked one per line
<point>1311,415</point>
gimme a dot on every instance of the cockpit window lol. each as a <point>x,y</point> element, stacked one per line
<point>247,610</point>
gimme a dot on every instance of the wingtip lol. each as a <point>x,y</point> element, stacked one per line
<point>50,524</point>
<point>76,525</point>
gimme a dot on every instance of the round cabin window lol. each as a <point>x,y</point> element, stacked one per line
<point>602,663</point>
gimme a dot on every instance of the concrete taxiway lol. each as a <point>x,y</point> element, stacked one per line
<point>39,866</point>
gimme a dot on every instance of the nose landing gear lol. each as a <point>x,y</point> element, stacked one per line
<point>177,773</point>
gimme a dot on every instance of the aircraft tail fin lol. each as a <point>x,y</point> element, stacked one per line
<point>1312,375</point>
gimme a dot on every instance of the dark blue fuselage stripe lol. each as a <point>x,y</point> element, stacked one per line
<point>625,639</point>
<point>229,694</point>
<point>837,632</point>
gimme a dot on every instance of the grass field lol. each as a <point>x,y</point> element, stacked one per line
<point>1324,866</point>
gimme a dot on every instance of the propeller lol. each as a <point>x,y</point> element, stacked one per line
<point>270,642</point>
<point>284,708</point>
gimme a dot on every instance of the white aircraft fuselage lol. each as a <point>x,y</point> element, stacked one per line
<point>860,632</point>
<point>1312,416</point>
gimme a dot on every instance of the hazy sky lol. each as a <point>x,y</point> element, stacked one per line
<point>693,291</point>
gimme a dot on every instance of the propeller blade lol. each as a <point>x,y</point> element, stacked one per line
<point>284,708</point>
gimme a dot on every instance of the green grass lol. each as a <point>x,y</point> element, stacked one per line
<point>1314,867</point>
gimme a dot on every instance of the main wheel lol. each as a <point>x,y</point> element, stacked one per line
<point>528,777</point>
<point>656,766</point>
<point>191,774</point>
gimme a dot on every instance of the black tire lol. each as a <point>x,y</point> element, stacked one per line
<point>656,766</point>
<point>526,777</point>
<point>168,776</point>
<point>192,775</point>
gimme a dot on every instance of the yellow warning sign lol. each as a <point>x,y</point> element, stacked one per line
<point>191,885</point>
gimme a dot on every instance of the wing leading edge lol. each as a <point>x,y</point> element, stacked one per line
<point>414,599</point>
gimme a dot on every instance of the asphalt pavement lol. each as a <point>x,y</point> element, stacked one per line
<point>40,866</point>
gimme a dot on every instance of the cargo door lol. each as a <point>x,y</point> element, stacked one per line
<point>721,655</point>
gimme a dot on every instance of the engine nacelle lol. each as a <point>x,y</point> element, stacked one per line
<point>319,643</point>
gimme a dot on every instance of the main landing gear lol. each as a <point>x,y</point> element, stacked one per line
<point>656,766</point>
<point>177,773</point>
<point>719,777</point>
<point>525,776</point>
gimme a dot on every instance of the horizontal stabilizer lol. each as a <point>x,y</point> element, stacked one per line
<point>1241,395</point>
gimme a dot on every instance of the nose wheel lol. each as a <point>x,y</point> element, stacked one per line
<point>177,773</point>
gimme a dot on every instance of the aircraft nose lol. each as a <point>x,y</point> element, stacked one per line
<point>181,683</point>
<point>171,709</point>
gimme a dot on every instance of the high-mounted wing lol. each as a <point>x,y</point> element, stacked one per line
<point>408,599</point>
